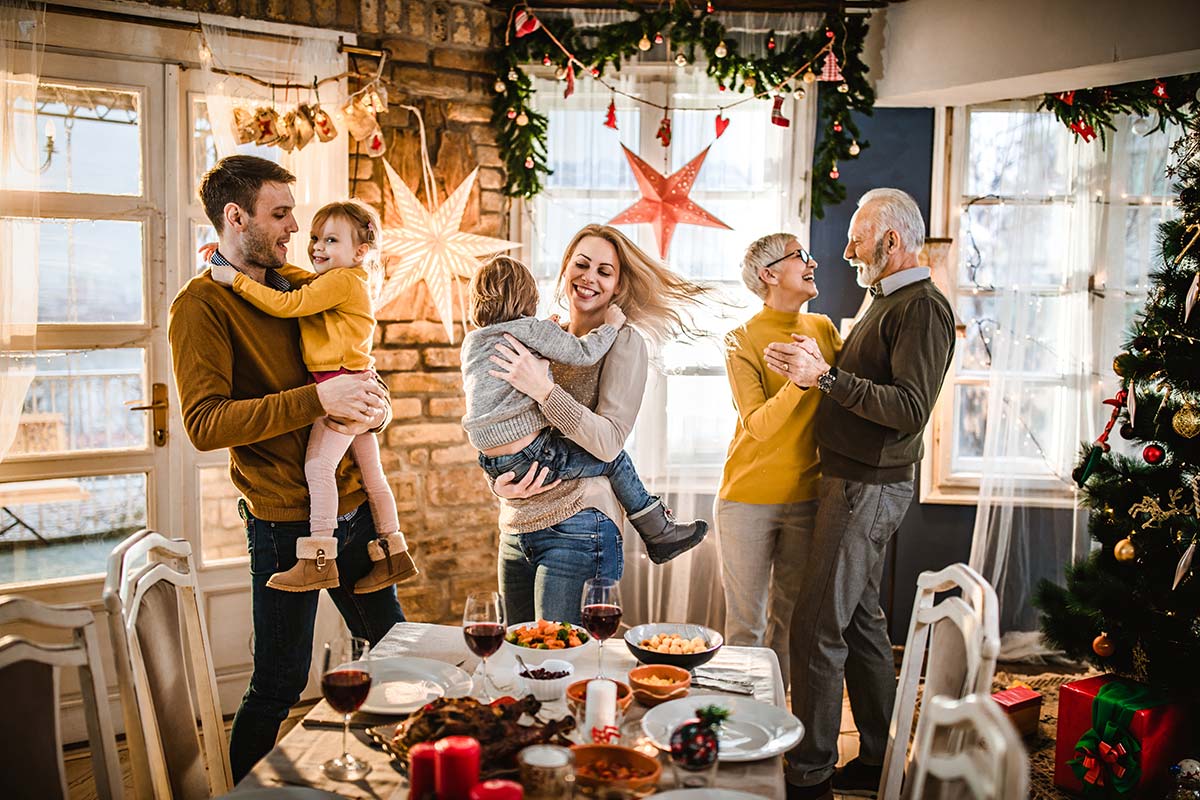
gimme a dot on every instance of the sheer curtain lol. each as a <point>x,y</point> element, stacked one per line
<point>22,35</point>
<point>322,169</point>
<point>1060,255</point>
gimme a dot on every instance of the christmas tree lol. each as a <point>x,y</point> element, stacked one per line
<point>1133,606</point>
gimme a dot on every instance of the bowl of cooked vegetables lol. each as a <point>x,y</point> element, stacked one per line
<point>609,767</point>
<point>679,644</point>
<point>537,641</point>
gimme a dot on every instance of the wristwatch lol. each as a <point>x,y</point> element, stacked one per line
<point>826,380</point>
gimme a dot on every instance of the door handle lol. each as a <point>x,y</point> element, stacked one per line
<point>158,404</point>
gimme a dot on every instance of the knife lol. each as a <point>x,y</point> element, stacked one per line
<point>722,686</point>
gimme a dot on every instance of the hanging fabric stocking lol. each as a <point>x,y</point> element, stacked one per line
<point>777,117</point>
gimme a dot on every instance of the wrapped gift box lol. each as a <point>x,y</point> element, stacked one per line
<point>1117,738</point>
<point>1023,706</point>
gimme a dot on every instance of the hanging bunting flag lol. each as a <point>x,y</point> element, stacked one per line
<point>831,71</point>
<point>777,117</point>
<point>525,23</point>
<point>665,202</point>
<point>610,116</point>
<point>722,124</point>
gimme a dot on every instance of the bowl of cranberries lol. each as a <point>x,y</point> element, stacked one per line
<point>546,681</point>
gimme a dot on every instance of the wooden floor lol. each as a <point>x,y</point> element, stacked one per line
<point>81,786</point>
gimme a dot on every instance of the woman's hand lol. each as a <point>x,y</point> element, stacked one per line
<point>508,487</point>
<point>525,372</point>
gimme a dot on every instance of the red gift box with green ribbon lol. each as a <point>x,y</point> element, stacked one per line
<point>1117,738</point>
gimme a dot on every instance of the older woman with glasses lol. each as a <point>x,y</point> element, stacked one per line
<point>767,501</point>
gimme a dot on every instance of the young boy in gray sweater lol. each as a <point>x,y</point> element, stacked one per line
<point>509,429</point>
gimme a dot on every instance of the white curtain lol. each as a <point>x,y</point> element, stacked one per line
<point>22,35</point>
<point>321,168</point>
<point>1069,255</point>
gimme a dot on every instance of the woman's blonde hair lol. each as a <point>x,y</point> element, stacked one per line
<point>659,302</point>
<point>364,222</point>
<point>503,289</point>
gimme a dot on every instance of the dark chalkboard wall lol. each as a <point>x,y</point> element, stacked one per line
<point>900,156</point>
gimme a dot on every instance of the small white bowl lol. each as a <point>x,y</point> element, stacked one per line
<point>547,690</point>
<point>535,656</point>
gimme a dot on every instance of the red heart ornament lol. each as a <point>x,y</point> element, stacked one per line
<point>722,124</point>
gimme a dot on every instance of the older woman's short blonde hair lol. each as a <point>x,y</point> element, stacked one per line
<point>760,253</point>
<point>502,290</point>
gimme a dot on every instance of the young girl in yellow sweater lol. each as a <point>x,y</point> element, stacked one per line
<point>336,327</point>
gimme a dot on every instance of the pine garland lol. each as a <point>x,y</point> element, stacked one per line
<point>694,33</point>
<point>1090,112</point>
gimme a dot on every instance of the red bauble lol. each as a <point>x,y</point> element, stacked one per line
<point>1153,454</point>
<point>833,173</point>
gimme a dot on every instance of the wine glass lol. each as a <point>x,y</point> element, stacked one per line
<point>483,628</point>
<point>345,682</point>
<point>601,612</point>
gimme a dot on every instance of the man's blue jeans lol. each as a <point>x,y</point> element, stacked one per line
<point>568,461</point>
<point>283,624</point>
<point>542,573</point>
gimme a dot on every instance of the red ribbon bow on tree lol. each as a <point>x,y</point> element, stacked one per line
<point>1085,130</point>
<point>1097,767</point>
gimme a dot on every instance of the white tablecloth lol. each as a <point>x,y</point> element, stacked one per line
<point>297,758</point>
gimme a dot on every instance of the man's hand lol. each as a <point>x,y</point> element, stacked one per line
<point>223,274</point>
<point>613,315</point>
<point>534,482</point>
<point>354,398</point>
<point>797,361</point>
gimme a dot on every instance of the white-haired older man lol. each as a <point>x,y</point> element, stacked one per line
<point>876,403</point>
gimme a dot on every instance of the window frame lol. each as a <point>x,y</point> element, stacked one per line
<point>654,81</point>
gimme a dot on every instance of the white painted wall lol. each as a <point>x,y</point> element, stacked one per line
<point>954,52</point>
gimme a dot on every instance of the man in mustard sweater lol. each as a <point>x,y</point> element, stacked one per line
<point>242,385</point>
<point>875,405</point>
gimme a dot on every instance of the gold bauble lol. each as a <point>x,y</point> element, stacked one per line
<point>810,76</point>
<point>1124,551</point>
<point>1103,646</point>
<point>1186,421</point>
<point>1117,368</point>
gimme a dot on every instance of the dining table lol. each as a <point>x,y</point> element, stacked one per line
<point>297,757</point>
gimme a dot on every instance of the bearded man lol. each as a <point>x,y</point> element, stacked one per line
<point>869,426</point>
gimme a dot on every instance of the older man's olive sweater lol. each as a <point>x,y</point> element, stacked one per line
<point>889,374</point>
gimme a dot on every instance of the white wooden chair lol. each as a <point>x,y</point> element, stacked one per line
<point>959,639</point>
<point>150,584</point>
<point>991,763</point>
<point>31,758</point>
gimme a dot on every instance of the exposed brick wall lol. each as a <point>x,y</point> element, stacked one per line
<point>439,53</point>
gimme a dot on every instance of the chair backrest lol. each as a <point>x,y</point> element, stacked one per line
<point>990,761</point>
<point>959,638</point>
<point>31,758</point>
<point>150,584</point>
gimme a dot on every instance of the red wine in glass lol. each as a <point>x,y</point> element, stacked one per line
<point>601,620</point>
<point>483,638</point>
<point>346,689</point>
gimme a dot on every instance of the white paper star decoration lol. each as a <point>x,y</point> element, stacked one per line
<point>430,247</point>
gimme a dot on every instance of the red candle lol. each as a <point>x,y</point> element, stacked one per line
<point>421,758</point>
<point>498,790</point>
<point>456,769</point>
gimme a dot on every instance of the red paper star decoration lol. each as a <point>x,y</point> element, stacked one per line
<point>665,202</point>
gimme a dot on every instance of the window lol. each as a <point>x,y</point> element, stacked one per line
<point>1054,241</point>
<point>750,180</point>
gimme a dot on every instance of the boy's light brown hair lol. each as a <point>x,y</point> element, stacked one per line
<point>502,290</point>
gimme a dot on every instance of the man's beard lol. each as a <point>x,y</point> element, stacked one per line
<point>868,272</point>
<point>258,248</point>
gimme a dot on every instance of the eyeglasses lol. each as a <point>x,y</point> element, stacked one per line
<point>805,256</point>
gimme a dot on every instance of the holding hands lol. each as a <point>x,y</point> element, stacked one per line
<point>799,360</point>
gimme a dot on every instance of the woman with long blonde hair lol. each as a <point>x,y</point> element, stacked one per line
<point>555,536</point>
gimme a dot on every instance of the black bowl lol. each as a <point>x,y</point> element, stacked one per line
<point>634,636</point>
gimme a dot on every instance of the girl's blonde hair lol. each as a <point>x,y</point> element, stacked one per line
<point>502,290</point>
<point>661,303</point>
<point>364,222</point>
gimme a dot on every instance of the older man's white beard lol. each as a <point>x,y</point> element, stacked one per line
<point>867,274</point>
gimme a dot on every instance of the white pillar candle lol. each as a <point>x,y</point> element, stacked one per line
<point>600,715</point>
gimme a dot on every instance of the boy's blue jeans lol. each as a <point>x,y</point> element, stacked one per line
<point>568,461</point>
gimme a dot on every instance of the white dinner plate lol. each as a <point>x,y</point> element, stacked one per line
<point>402,684</point>
<point>708,794</point>
<point>753,731</point>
